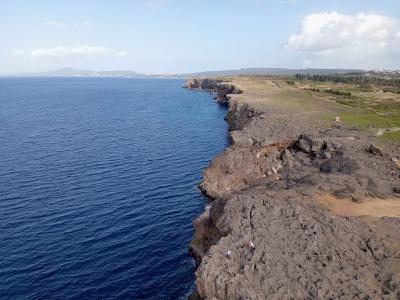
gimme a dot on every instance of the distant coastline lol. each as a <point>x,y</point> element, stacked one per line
<point>71,72</point>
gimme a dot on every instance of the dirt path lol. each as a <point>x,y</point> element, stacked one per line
<point>371,207</point>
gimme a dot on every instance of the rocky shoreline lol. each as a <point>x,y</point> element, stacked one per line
<point>281,223</point>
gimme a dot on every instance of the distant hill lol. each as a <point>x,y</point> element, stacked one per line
<point>270,71</point>
<point>69,72</point>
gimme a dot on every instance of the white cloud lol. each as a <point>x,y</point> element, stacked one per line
<point>359,36</point>
<point>83,51</point>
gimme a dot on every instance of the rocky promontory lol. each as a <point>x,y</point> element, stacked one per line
<point>220,89</point>
<point>299,209</point>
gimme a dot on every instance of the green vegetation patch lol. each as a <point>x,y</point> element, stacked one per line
<point>371,120</point>
<point>337,92</point>
<point>371,112</point>
<point>392,90</point>
<point>358,78</point>
<point>391,136</point>
<point>364,88</point>
<point>313,89</point>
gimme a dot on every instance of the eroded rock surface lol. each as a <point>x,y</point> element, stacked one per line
<point>263,189</point>
<point>301,252</point>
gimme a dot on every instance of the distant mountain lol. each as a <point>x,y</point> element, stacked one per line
<point>68,72</point>
<point>269,71</point>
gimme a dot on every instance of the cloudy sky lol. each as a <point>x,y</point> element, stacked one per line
<point>177,36</point>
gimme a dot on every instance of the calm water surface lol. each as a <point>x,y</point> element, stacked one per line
<point>98,186</point>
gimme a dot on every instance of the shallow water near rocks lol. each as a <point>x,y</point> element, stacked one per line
<point>98,186</point>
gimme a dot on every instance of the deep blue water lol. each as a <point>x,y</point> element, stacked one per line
<point>98,186</point>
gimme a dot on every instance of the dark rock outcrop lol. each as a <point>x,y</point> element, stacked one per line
<point>262,189</point>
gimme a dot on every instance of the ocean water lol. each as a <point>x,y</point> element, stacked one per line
<point>98,186</point>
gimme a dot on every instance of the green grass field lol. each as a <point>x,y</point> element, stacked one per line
<point>369,107</point>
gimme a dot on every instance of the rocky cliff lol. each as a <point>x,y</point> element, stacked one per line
<point>220,89</point>
<point>269,233</point>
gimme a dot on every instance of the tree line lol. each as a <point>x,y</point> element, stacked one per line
<point>352,78</point>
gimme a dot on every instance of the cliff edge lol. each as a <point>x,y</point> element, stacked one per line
<point>301,208</point>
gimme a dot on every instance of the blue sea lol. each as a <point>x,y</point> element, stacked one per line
<point>98,186</point>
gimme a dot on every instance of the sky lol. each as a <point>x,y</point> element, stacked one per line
<point>182,36</point>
